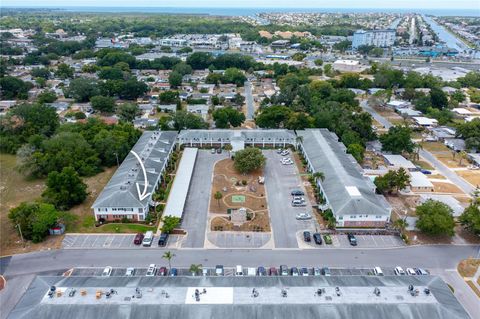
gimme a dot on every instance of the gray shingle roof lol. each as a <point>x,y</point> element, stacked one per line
<point>356,301</point>
<point>341,170</point>
<point>153,147</point>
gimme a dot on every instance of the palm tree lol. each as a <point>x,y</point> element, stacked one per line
<point>168,255</point>
<point>463,155</point>
<point>218,196</point>
<point>318,175</point>
<point>228,148</point>
<point>195,268</point>
<point>299,140</point>
<point>400,224</point>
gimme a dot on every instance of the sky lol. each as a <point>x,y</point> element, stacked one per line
<point>434,4</point>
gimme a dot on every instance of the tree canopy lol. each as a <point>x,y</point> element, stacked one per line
<point>248,160</point>
<point>435,218</point>
<point>65,189</point>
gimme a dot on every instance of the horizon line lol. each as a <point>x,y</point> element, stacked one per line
<point>194,6</point>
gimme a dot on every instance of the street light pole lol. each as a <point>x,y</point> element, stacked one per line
<point>116,155</point>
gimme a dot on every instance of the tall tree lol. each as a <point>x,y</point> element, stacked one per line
<point>65,189</point>
<point>435,218</point>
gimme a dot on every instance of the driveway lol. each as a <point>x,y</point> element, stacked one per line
<point>198,199</point>
<point>280,180</point>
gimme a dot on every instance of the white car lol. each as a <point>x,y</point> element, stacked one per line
<point>399,271</point>
<point>284,153</point>
<point>152,269</point>
<point>107,271</point>
<point>130,272</point>
<point>303,216</point>
<point>411,272</point>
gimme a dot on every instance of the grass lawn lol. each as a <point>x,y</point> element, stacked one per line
<point>474,288</point>
<point>473,177</point>
<point>14,189</point>
<point>124,228</point>
<point>443,154</point>
<point>423,164</point>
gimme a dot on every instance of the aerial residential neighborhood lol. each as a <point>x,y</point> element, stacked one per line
<point>262,161</point>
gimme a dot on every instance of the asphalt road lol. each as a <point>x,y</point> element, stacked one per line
<point>431,257</point>
<point>196,206</point>
<point>439,166</point>
<point>249,100</point>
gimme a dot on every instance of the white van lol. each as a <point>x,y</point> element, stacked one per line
<point>377,271</point>
<point>148,239</point>
<point>239,271</point>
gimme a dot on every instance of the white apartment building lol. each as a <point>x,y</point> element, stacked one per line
<point>380,38</point>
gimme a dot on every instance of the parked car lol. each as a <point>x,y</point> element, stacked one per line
<point>261,271</point>
<point>279,151</point>
<point>284,152</point>
<point>303,216</point>
<point>426,172</point>
<point>304,271</point>
<point>327,239</point>
<point>130,272</point>
<point>298,203</point>
<point>162,241</point>
<point>306,236</point>
<point>204,272</point>
<point>273,271</point>
<point>297,192</point>
<point>352,239</point>
<point>151,270</point>
<point>300,198</point>
<point>148,239</point>
<point>239,271</point>
<point>410,272</point>
<point>421,271</point>
<point>138,239</point>
<point>219,270</point>
<point>377,271</point>
<point>173,272</point>
<point>326,271</point>
<point>107,271</point>
<point>251,271</point>
<point>317,238</point>
<point>163,271</point>
<point>399,271</point>
<point>317,271</point>
<point>294,272</point>
<point>219,151</point>
<point>283,270</point>
<point>212,151</point>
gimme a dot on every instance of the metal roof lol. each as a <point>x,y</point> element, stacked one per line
<point>153,148</point>
<point>342,173</point>
<point>250,136</point>
<point>231,297</point>
<point>181,184</point>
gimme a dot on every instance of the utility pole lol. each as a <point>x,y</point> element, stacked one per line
<point>21,235</point>
<point>116,155</point>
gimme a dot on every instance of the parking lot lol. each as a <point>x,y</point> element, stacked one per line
<point>228,271</point>
<point>196,206</point>
<point>280,180</point>
<point>113,241</point>
<point>363,241</point>
<point>226,239</point>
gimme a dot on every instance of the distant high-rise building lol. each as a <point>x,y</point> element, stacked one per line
<point>380,38</point>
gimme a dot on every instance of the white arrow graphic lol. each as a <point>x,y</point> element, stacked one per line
<point>144,194</point>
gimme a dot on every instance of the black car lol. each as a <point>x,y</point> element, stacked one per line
<point>162,241</point>
<point>317,238</point>
<point>306,236</point>
<point>219,151</point>
<point>352,239</point>
<point>297,192</point>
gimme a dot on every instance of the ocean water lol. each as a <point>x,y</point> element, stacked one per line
<point>249,11</point>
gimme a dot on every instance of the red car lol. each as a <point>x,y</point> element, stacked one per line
<point>138,239</point>
<point>273,271</point>
<point>162,271</point>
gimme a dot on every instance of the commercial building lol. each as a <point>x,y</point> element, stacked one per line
<point>384,38</point>
<point>128,193</point>
<point>349,194</point>
<point>334,297</point>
